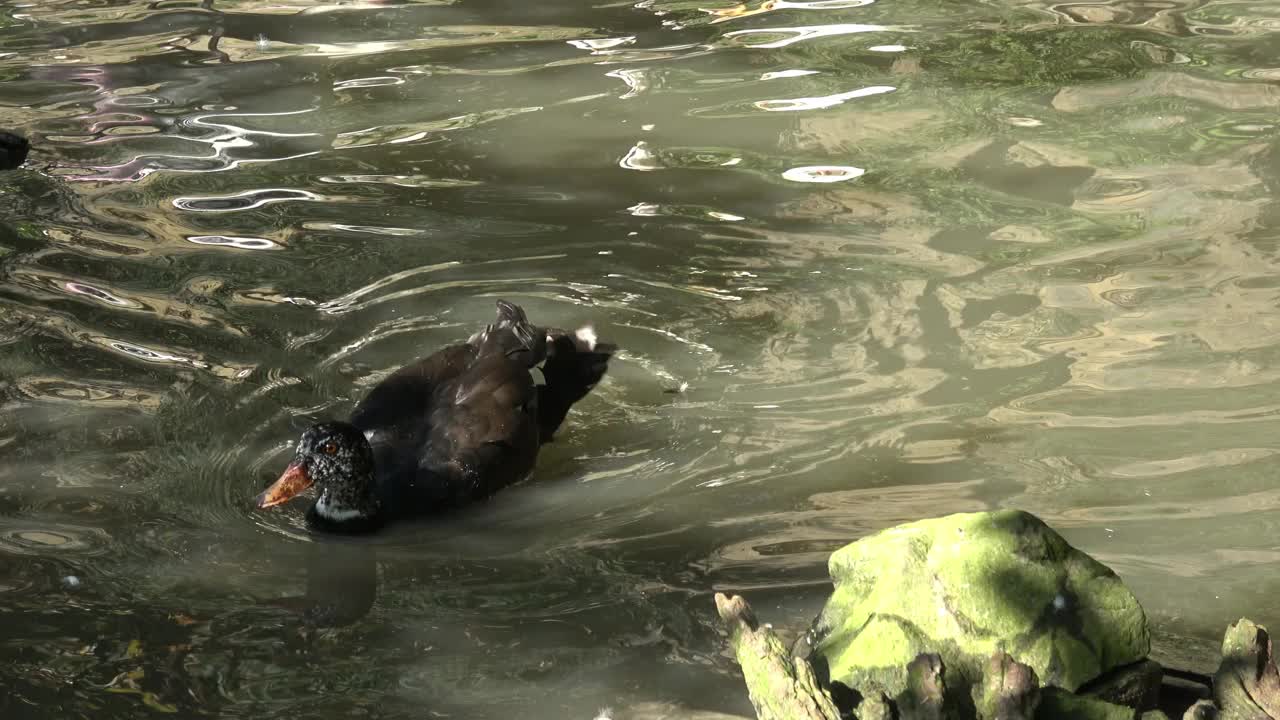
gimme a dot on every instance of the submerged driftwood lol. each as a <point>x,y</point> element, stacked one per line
<point>781,687</point>
<point>1247,685</point>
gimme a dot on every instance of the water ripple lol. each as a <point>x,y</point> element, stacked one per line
<point>239,243</point>
<point>414,132</point>
<point>246,200</point>
<point>826,101</point>
<point>368,82</point>
<point>792,35</point>
<point>742,11</point>
<point>596,44</point>
<point>100,295</point>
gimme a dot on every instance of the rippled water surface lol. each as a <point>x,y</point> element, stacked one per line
<point>870,261</point>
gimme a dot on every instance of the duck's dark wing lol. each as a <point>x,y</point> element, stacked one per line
<point>461,423</point>
<point>406,394</point>
<point>395,415</point>
<point>484,430</point>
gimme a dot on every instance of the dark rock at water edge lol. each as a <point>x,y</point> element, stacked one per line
<point>1202,710</point>
<point>1136,685</point>
<point>925,694</point>
<point>1009,690</point>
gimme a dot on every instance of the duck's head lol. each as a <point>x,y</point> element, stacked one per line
<point>337,459</point>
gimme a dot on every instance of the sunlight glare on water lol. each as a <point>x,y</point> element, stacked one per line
<point>868,262</point>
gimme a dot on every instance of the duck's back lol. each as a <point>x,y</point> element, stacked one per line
<point>459,424</point>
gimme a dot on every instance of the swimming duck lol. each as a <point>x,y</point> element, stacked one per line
<point>13,150</point>
<point>447,430</point>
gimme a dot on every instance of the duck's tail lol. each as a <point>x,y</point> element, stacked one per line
<point>575,363</point>
<point>513,335</point>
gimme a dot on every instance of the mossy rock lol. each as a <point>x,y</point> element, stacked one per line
<point>964,586</point>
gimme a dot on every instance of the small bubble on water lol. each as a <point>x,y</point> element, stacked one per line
<point>263,43</point>
<point>1059,602</point>
<point>71,582</point>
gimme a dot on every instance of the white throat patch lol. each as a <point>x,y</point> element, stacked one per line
<point>334,513</point>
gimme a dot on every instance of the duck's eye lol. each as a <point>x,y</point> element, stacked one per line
<point>329,448</point>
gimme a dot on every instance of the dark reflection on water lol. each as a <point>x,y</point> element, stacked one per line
<point>869,262</point>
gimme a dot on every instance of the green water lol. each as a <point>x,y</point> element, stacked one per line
<point>1041,271</point>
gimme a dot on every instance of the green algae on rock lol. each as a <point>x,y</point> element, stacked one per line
<point>965,586</point>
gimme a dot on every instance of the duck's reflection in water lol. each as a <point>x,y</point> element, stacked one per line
<point>341,584</point>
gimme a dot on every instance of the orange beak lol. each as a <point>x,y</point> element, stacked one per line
<point>293,481</point>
